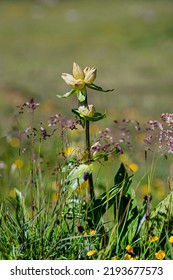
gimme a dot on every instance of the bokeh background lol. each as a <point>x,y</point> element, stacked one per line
<point>129,42</point>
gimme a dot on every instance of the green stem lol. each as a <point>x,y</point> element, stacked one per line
<point>91,193</point>
<point>88,147</point>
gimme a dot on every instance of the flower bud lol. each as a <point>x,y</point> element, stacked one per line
<point>77,72</point>
<point>90,75</point>
<point>87,111</point>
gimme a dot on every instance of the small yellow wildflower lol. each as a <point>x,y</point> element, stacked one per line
<point>14,142</point>
<point>91,253</point>
<point>153,238</point>
<point>171,239</point>
<point>92,232</point>
<point>133,166</point>
<point>54,197</point>
<point>160,255</point>
<point>129,249</point>
<point>19,163</point>
<point>128,257</point>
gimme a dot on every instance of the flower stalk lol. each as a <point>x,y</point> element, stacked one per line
<point>91,193</point>
<point>78,82</point>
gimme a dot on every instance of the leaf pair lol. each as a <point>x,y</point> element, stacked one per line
<point>96,117</point>
<point>81,94</point>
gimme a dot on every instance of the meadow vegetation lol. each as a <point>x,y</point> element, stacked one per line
<point>76,183</point>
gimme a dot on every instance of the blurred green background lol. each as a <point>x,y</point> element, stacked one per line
<point>129,42</point>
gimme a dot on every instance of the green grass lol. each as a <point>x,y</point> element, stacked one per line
<point>130,43</point>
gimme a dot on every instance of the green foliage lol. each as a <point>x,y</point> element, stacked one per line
<point>98,88</point>
<point>61,229</point>
<point>97,117</point>
<point>160,219</point>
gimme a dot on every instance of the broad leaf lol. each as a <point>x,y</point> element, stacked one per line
<point>76,175</point>
<point>160,218</point>
<point>109,198</point>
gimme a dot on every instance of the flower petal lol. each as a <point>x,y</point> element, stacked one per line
<point>79,84</point>
<point>69,79</point>
<point>77,71</point>
<point>90,75</point>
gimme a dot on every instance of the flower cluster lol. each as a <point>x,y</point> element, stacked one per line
<point>105,143</point>
<point>64,122</point>
<point>157,133</point>
<point>162,133</point>
<point>31,104</point>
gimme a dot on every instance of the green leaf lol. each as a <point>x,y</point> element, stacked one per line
<point>81,97</point>
<point>97,116</point>
<point>67,94</point>
<point>95,87</point>
<point>77,115</point>
<point>160,218</point>
<point>109,198</point>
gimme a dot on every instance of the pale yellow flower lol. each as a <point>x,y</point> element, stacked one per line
<point>88,111</point>
<point>80,77</point>
<point>160,255</point>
